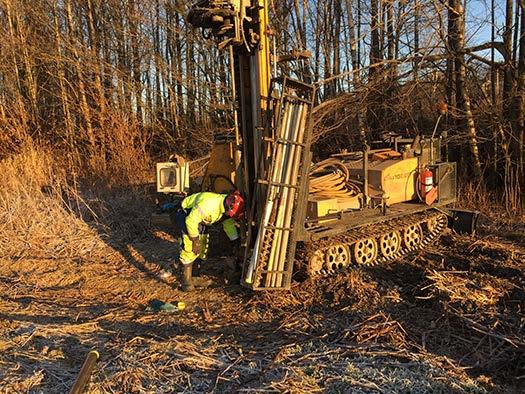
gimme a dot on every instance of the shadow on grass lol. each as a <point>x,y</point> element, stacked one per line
<point>454,329</point>
<point>123,222</point>
<point>429,324</point>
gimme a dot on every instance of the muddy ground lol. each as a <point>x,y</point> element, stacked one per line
<point>450,319</point>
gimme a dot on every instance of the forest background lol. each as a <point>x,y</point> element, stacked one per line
<point>105,88</point>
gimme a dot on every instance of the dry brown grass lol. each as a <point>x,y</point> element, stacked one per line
<point>381,328</point>
<point>477,196</point>
<point>78,266</point>
<point>39,212</point>
<point>122,159</point>
<point>53,207</point>
<point>469,288</point>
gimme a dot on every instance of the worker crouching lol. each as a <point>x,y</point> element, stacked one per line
<point>198,211</point>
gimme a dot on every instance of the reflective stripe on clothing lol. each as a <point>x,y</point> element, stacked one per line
<point>207,208</point>
<point>201,212</point>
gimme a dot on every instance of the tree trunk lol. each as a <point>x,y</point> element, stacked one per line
<point>19,94</point>
<point>84,107</point>
<point>375,96</point>
<point>390,36</point>
<point>95,43</point>
<point>30,83</point>
<point>465,116</point>
<point>353,45</point>
<point>508,76</point>
<point>375,48</point>
<point>62,81</point>
<point>134,43</point>
<point>519,132</point>
<point>336,44</point>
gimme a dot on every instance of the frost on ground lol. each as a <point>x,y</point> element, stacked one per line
<point>77,271</point>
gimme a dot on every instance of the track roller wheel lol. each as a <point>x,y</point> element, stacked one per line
<point>365,251</point>
<point>337,257</point>
<point>389,244</point>
<point>412,236</point>
<point>316,263</point>
<point>433,224</point>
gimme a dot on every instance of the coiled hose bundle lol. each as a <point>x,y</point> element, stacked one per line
<point>330,178</point>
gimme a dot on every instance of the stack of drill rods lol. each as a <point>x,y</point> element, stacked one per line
<point>285,219</point>
<point>281,163</point>
<point>284,177</point>
<point>272,193</point>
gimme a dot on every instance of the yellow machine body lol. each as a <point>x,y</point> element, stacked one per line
<point>220,172</point>
<point>322,206</point>
<point>269,161</point>
<point>263,54</point>
<point>393,180</point>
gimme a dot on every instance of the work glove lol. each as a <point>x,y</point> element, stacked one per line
<point>196,246</point>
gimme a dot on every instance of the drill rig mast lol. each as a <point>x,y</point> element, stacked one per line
<point>243,27</point>
<point>272,146</point>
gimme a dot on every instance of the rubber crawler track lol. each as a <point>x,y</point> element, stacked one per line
<point>375,231</point>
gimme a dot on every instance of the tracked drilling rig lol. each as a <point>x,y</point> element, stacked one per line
<point>355,208</point>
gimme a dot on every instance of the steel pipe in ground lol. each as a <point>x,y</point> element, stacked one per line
<point>85,373</point>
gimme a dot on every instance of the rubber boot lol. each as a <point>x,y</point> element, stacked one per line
<point>187,277</point>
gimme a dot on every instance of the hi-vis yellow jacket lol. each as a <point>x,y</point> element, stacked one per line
<point>207,208</point>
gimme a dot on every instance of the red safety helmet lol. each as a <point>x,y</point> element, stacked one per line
<point>234,205</point>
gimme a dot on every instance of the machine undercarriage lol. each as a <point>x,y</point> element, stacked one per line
<point>374,244</point>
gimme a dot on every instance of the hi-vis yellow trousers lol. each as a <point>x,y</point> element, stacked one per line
<point>186,245</point>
